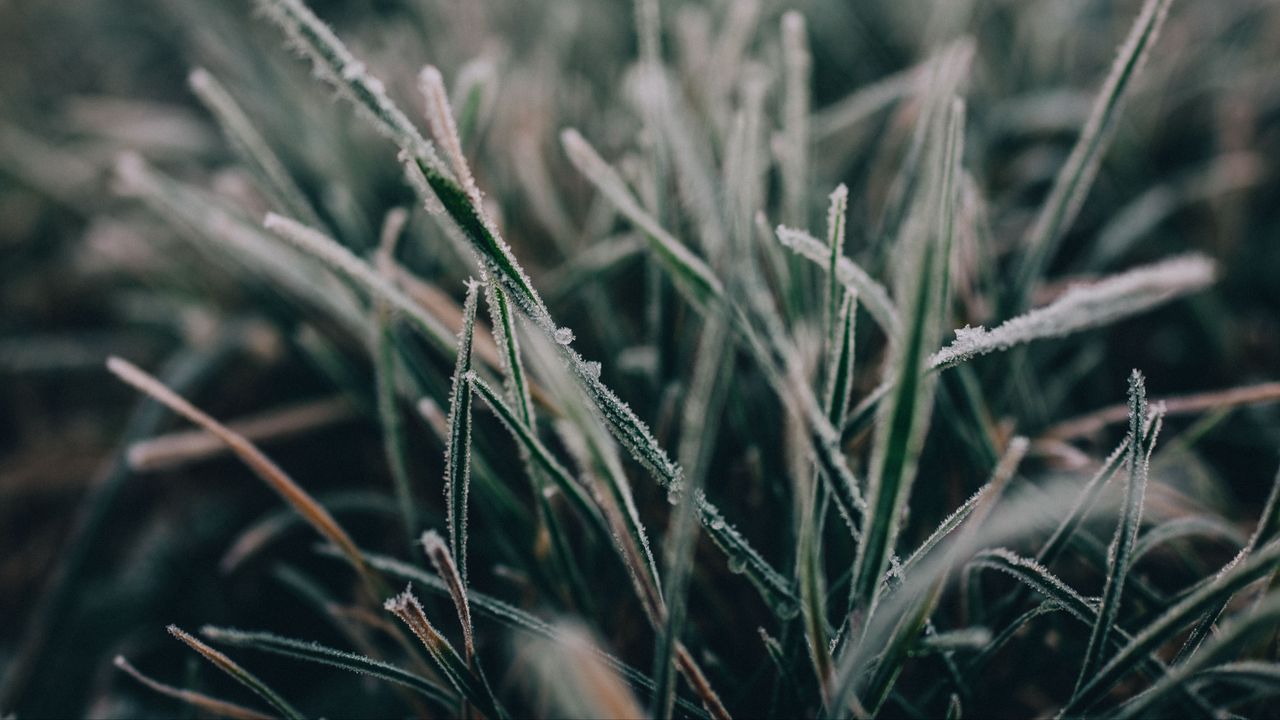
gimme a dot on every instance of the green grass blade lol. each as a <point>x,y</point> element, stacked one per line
<point>907,631</point>
<point>1225,645</point>
<point>904,419</point>
<point>237,673</point>
<point>539,452</point>
<point>1173,621</point>
<point>1120,555</point>
<point>317,653</point>
<point>333,63</point>
<point>457,456</point>
<point>342,261</point>
<point>1267,530</point>
<point>1076,177</point>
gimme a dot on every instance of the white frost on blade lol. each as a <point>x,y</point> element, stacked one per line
<point>1085,306</point>
<point>873,295</point>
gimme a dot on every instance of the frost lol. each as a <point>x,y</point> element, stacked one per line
<point>1085,306</point>
<point>563,336</point>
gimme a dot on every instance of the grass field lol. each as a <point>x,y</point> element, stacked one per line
<point>594,358</point>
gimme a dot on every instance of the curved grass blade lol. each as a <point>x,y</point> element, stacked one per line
<point>690,273</point>
<point>1120,555</point>
<point>1182,528</point>
<point>574,492</point>
<point>457,457</point>
<point>333,63</point>
<point>341,260</point>
<point>317,653</point>
<point>239,674</point>
<point>262,466</point>
<point>211,705</point>
<point>438,552</point>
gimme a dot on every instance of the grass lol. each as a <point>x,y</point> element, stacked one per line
<point>669,469</point>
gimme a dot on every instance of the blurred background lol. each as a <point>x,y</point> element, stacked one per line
<point>98,554</point>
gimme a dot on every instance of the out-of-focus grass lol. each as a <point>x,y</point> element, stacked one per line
<point>638,160</point>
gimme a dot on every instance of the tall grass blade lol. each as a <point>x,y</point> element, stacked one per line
<point>908,630</point>
<point>211,705</point>
<point>385,367</point>
<point>1119,556</point>
<point>239,674</point>
<point>457,458</point>
<point>798,70</point>
<point>539,452</point>
<point>1076,177</point>
<point>904,419</point>
<point>316,653</point>
<point>342,261</point>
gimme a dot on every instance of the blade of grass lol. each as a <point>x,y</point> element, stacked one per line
<point>239,674</point>
<point>904,420</point>
<point>252,148</point>
<point>1077,175</point>
<point>1119,555</point>
<point>317,653</point>
<point>341,260</point>
<point>873,295</point>
<point>260,464</point>
<point>689,272</point>
<point>384,366</point>
<point>1268,529</point>
<point>1165,627</point>
<point>1223,646</point>
<point>211,705</point>
<point>1085,306</point>
<point>457,458</point>
<point>514,618</point>
<point>406,607</point>
<point>909,627</point>
<point>438,552</point>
